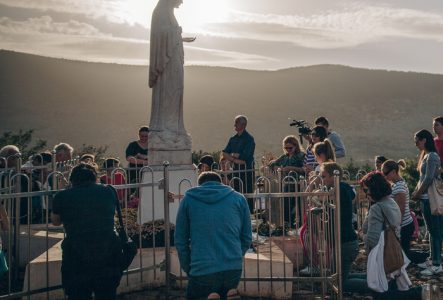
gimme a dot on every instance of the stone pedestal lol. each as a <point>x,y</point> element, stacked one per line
<point>181,178</point>
<point>174,157</point>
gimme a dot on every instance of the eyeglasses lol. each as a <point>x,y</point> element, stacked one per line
<point>289,148</point>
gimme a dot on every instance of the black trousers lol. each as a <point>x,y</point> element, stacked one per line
<point>91,265</point>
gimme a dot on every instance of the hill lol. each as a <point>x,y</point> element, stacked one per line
<point>375,111</point>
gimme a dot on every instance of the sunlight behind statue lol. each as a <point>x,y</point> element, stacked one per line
<point>166,78</point>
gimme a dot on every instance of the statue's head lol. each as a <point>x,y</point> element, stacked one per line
<point>172,3</point>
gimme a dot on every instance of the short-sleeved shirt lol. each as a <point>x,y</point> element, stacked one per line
<point>243,144</point>
<point>285,160</point>
<point>133,149</point>
<point>86,210</point>
<point>398,188</point>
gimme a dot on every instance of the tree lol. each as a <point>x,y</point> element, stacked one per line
<point>23,140</point>
<point>98,152</point>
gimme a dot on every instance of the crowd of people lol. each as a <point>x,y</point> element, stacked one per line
<point>213,230</point>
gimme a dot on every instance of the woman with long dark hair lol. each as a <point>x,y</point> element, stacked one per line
<point>428,166</point>
<point>318,134</point>
<point>91,250</point>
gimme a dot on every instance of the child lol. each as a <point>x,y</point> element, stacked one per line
<point>117,179</point>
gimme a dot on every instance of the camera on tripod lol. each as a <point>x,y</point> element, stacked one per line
<point>303,128</point>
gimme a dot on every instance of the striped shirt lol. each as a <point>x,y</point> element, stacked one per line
<point>310,158</point>
<point>400,187</point>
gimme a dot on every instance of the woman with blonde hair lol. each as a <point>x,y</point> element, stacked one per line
<point>400,193</point>
<point>293,157</point>
<point>324,152</point>
<point>291,161</point>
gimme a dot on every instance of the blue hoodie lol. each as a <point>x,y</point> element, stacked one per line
<point>213,229</point>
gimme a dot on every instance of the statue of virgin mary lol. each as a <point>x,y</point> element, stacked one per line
<point>166,78</point>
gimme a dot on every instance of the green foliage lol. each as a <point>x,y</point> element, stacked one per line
<point>98,152</point>
<point>196,155</point>
<point>23,140</point>
<point>411,174</point>
<point>354,168</point>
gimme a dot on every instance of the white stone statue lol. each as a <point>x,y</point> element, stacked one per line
<point>167,130</point>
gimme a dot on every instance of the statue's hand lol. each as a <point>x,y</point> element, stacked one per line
<point>188,39</point>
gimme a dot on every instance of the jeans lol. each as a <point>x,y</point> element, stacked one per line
<point>406,233</point>
<point>352,282</point>
<point>434,225</point>
<point>393,293</point>
<point>199,287</point>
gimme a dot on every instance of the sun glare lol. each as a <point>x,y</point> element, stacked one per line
<point>194,14</point>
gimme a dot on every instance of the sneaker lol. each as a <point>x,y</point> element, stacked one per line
<point>214,296</point>
<point>233,295</point>
<point>424,265</point>
<point>308,271</point>
<point>432,270</point>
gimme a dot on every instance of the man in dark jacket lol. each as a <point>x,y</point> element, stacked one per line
<point>240,152</point>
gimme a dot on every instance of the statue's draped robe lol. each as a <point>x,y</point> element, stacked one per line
<point>166,77</point>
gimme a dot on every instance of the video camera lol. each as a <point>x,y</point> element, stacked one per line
<point>303,128</point>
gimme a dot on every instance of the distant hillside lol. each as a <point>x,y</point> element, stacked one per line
<point>375,111</point>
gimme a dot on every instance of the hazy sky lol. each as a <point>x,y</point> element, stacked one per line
<point>254,34</point>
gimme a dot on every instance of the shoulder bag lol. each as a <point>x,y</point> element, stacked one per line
<point>129,248</point>
<point>435,193</point>
<point>392,253</point>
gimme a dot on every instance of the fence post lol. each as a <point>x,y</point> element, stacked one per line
<point>18,188</point>
<point>167,227</point>
<point>338,233</point>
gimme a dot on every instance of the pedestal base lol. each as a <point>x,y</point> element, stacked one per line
<point>181,178</point>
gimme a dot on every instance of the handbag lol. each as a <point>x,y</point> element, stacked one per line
<point>392,253</point>
<point>129,248</point>
<point>3,264</point>
<point>435,193</point>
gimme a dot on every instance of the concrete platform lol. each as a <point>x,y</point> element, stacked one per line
<point>269,261</point>
<point>41,275</point>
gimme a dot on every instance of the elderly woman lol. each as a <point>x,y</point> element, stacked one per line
<point>384,209</point>
<point>91,248</point>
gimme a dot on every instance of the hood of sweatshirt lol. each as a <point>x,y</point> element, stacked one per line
<point>348,190</point>
<point>210,192</point>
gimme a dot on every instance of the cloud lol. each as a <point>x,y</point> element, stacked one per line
<point>90,8</point>
<point>45,25</point>
<point>332,29</point>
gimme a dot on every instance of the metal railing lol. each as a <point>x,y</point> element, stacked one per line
<point>285,207</point>
<point>20,243</point>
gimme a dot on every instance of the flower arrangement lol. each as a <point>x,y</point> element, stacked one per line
<point>148,231</point>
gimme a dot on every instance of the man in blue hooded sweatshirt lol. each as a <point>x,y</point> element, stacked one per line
<point>213,233</point>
